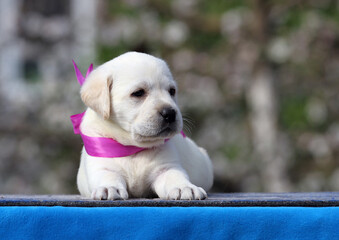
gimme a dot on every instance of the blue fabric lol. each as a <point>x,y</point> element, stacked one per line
<point>169,223</point>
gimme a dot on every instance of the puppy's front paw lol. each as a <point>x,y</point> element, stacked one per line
<point>187,193</point>
<point>109,193</point>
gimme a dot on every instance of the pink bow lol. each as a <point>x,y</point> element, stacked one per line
<point>80,78</point>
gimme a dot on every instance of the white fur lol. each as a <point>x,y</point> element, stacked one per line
<point>177,169</point>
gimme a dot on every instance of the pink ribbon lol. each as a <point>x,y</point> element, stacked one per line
<point>80,78</point>
<point>100,146</point>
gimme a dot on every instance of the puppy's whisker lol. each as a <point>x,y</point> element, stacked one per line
<point>188,119</point>
<point>188,124</point>
<point>187,129</point>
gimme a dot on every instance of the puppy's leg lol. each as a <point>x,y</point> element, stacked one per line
<point>108,185</point>
<point>173,184</point>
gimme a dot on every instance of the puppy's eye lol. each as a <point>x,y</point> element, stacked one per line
<point>172,91</point>
<point>140,93</point>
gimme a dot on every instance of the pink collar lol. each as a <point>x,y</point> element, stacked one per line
<point>100,146</point>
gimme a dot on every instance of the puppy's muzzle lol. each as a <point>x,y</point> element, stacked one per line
<point>168,114</point>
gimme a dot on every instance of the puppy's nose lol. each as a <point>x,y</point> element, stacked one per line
<point>169,114</point>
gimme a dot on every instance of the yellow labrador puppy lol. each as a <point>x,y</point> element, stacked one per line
<point>132,99</point>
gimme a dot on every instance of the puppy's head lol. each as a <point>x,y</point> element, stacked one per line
<point>137,92</point>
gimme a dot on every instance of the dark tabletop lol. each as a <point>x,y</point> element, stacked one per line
<point>310,199</point>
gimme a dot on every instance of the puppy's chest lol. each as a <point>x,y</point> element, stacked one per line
<point>138,175</point>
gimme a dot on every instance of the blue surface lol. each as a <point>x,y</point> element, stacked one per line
<point>169,223</point>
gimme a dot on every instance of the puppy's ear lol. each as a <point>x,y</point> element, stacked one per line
<point>96,92</point>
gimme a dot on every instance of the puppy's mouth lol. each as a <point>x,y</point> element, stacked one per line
<point>165,132</point>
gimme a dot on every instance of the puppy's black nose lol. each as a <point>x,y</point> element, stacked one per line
<point>169,114</point>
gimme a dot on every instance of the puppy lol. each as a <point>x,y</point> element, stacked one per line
<point>133,100</point>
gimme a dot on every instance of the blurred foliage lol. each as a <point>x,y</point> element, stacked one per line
<point>212,49</point>
<point>293,114</point>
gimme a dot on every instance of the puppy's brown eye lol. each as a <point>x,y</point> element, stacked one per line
<point>172,91</point>
<point>139,93</point>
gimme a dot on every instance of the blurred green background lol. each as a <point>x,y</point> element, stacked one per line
<point>258,85</point>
